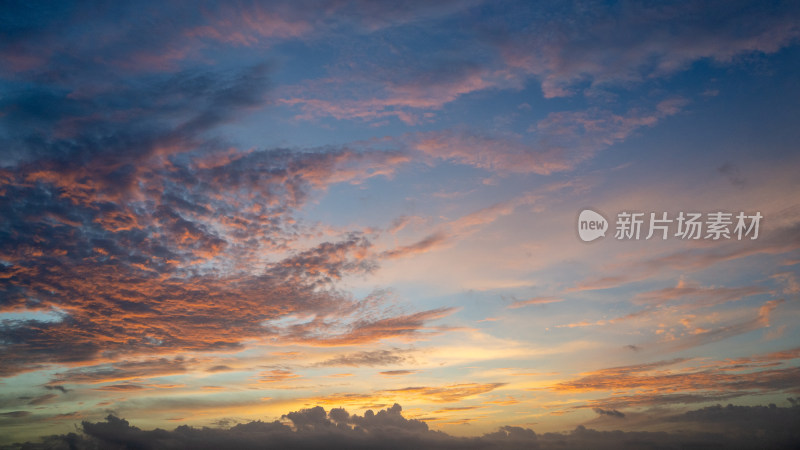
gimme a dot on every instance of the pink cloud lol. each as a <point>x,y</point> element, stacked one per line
<point>640,42</point>
<point>249,24</point>
<point>557,143</point>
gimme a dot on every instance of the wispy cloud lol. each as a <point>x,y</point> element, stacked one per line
<point>557,143</point>
<point>672,382</point>
<point>445,394</point>
<point>534,301</point>
<point>370,358</point>
<point>618,46</point>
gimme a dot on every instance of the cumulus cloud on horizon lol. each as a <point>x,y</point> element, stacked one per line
<point>715,427</point>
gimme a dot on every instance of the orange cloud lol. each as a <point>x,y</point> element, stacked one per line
<point>655,383</point>
<point>426,244</point>
<point>535,301</point>
<point>277,375</point>
<point>394,373</point>
<point>446,394</point>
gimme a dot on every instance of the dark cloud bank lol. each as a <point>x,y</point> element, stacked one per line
<point>728,427</point>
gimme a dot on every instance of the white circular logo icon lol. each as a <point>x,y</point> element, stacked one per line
<point>591,225</point>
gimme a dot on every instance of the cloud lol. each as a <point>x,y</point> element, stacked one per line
<point>620,45</point>
<point>163,115</point>
<point>121,387</point>
<point>426,244</point>
<point>716,426</point>
<point>42,399</point>
<point>145,312</point>
<point>57,387</point>
<point>136,229</point>
<point>78,39</point>
<point>779,240</point>
<point>788,278</point>
<point>557,143</point>
<point>497,154</point>
<point>362,327</point>
<point>581,47</point>
<point>15,414</point>
<point>661,304</point>
<point>407,92</point>
<point>666,382</point>
<point>699,296</point>
<point>122,371</point>
<point>328,261</point>
<point>534,301</point>
<point>451,231</point>
<point>610,413</point>
<point>369,358</point>
<point>394,373</point>
<point>145,235</point>
<point>249,24</point>
<point>737,420</point>
<point>126,214</point>
<point>446,394</point>
<point>277,375</point>
<point>700,336</point>
<point>733,174</point>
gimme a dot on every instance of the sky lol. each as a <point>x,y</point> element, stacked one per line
<point>348,222</point>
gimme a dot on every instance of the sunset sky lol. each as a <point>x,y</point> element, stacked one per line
<point>216,213</point>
